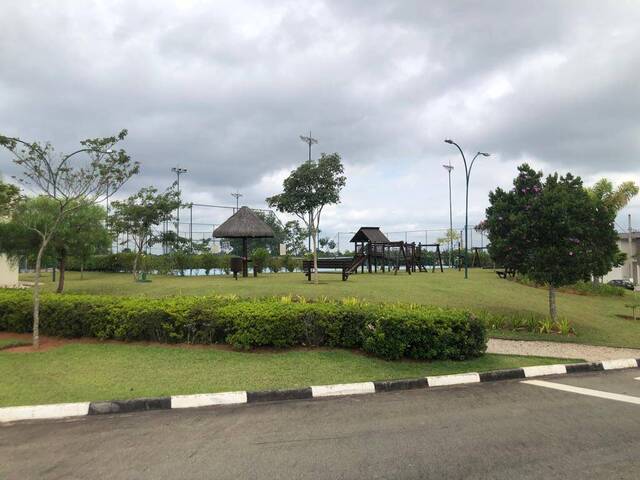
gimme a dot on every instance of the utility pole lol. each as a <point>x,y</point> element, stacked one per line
<point>630,256</point>
<point>309,141</point>
<point>449,168</point>
<point>237,197</point>
<point>178,171</point>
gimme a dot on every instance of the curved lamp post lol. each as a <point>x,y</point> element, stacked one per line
<point>467,172</point>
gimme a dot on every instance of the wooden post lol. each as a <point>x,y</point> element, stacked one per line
<point>245,263</point>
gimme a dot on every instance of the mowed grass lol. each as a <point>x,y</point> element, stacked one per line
<point>593,317</point>
<point>108,371</point>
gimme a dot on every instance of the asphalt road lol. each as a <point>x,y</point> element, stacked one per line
<point>503,430</point>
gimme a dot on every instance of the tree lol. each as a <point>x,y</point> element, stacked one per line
<point>614,199</point>
<point>9,198</point>
<point>68,184</point>
<point>139,214</point>
<point>551,231</point>
<point>611,201</point>
<point>81,234</point>
<point>307,190</point>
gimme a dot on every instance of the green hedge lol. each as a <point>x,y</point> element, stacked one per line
<point>387,331</point>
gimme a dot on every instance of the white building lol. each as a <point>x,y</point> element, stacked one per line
<point>8,272</point>
<point>631,269</point>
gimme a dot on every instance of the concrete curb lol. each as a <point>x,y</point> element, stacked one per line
<point>66,410</point>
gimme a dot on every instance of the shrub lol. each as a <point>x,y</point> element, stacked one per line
<point>260,258</point>
<point>387,331</point>
<point>208,261</point>
<point>275,264</point>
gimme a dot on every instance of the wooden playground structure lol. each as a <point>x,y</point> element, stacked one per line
<point>374,250</point>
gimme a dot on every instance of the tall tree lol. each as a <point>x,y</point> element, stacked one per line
<point>9,198</point>
<point>613,198</point>
<point>69,184</point>
<point>551,231</point>
<point>139,214</point>
<point>307,190</point>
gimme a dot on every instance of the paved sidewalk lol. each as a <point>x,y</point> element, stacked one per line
<point>590,353</point>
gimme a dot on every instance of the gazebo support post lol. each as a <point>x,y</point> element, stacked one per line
<point>245,258</point>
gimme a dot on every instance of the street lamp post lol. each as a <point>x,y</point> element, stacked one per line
<point>449,168</point>
<point>467,172</point>
<point>309,141</point>
<point>178,171</point>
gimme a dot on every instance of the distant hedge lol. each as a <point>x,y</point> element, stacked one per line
<point>388,331</point>
<point>176,262</point>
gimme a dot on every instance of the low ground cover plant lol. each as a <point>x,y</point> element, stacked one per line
<point>578,288</point>
<point>390,331</point>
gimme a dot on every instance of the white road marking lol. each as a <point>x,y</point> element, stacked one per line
<point>455,379</point>
<point>37,412</point>
<point>619,363</point>
<point>207,399</point>
<point>343,389</point>
<point>542,370</point>
<point>585,391</point>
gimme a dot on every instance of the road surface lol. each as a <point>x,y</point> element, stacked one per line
<point>503,430</point>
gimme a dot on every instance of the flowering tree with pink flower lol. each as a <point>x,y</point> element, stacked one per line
<point>553,232</point>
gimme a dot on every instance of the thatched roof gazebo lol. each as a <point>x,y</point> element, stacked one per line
<point>244,224</point>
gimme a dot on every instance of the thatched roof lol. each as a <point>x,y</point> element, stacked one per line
<point>243,224</point>
<point>370,234</point>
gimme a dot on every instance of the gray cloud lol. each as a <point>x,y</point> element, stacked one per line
<point>225,89</point>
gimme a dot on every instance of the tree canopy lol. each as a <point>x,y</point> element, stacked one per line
<point>307,190</point>
<point>553,231</point>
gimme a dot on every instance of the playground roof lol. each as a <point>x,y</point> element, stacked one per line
<point>243,224</point>
<point>370,234</point>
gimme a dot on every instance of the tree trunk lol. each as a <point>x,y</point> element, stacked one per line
<point>135,267</point>
<point>81,270</point>
<point>36,298</point>
<point>61,265</point>
<point>553,309</point>
<point>315,255</point>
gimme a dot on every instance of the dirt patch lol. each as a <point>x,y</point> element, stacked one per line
<point>627,317</point>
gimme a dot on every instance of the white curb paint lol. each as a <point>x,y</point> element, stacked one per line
<point>457,379</point>
<point>541,370</point>
<point>38,412</point>
<point>343,389</point>
<point>585,391</point>
<point>619,363</point>
<point>208,399</point>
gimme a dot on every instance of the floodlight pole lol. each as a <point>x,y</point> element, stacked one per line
<point>309,141</point>
<point>178,171</point>
<point>237,196</point>
<point>467,172</point>
<point>449,168</point>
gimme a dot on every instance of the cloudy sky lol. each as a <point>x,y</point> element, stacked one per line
<point>224,89</point>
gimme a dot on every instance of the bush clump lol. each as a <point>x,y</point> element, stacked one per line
<point>387,331</point>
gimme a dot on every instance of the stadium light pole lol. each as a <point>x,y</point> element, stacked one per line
<point>467,172</point>
<point>449,168</point>
<point>309,141</point>
<point>237,196</point>
<point>178,171</point>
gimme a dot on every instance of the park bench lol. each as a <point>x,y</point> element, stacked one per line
<point>340,264</point>
<point>508,272</point>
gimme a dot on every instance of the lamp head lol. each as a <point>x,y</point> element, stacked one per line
<point>484,154</point>
<point>449,141</point>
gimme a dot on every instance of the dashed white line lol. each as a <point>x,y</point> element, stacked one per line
<point>585,391</point>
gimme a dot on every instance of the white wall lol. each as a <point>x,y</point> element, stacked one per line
<point>8,272</point>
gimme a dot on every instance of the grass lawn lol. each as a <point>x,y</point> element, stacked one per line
<point>8,343</point>
<point>594,317</point>
<point>107,371</point>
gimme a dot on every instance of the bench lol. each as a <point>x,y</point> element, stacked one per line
<point>341,264</point>
<point>506,273</point>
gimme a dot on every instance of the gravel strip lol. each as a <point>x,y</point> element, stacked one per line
<point>590,353</point>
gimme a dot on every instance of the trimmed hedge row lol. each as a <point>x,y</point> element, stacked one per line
<point>388,331</point>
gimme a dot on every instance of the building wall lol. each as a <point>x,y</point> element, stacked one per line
<point>631,269</point>
<point>8,272</point>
